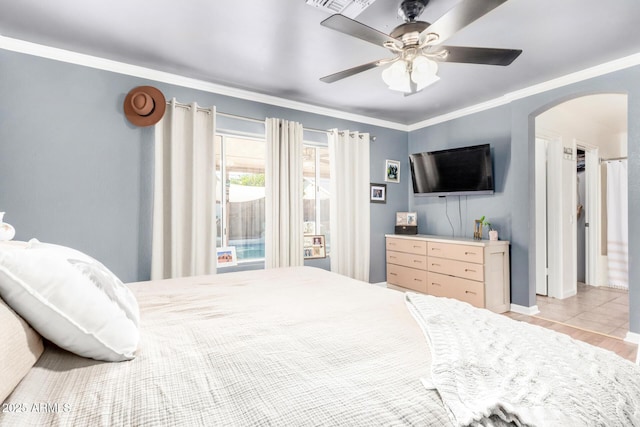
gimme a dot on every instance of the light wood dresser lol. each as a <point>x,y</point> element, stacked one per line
<point>474,271</point>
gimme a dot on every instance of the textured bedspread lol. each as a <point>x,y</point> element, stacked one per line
<point>285,347</point>
<point>489,369</point>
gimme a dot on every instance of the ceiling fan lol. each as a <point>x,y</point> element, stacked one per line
<point>416,45</point>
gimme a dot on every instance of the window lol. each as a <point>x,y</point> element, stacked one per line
<point>316,182</point>
<point>240,195</point>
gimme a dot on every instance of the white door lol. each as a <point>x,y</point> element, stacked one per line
<point>554,218</point>
<point>592,214</point>
<point>541,215</point>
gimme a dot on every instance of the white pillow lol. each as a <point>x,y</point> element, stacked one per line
<point>72,300</point>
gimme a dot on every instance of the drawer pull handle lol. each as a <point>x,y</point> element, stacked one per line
<point>469,270</point>
<point>469,292</point>
<point>393,274</point>
<point>469,253</point>
<point>435,249</point>
<point>392,244</point>
<point>417,280</point>
<point>417,247</point>
<point>391,256</point>
<point>435,265</point>
<point>418,261</point>
<point>436,284</point>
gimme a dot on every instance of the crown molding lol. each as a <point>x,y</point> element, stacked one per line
<point>578,76</point>
<point>71,57</point>
<point>21,46</point>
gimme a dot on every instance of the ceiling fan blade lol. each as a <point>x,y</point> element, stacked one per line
<point>356,29</point>
<point>351,71</point>
<point>480,55</point>
<point>459,17</point>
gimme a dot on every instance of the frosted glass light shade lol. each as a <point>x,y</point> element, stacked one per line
<point>396,76</point>
<point>424,72</point>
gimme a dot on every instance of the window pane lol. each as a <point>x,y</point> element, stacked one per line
<point>309,187</point>
<point>219,187</point>
<point>316,176</point>
<point>244,184</point>
<point>323,194</point>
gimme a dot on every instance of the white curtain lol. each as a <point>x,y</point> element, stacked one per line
<point>349,212</point>
<point>184,206</point>
<point>284,191</point>
<point>617,224</point>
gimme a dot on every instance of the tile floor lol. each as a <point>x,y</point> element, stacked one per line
<point>598,309</point>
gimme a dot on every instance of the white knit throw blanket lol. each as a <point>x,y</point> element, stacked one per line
<point>491,370</point>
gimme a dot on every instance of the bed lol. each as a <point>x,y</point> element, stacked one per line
<point>302,346</point>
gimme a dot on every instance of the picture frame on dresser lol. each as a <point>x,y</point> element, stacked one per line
<point>406,218</point>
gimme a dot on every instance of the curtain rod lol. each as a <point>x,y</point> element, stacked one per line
<point>612,159</point>
<point>250,119</point>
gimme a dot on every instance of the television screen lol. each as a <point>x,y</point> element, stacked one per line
<point>457,171</point>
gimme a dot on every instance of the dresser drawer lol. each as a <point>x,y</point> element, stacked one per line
<point>406,277</point>
<point>451,267</point>
<point>441,285</point>
<point>466,253</point>
<point>418,247</point>
<point>408,260</point>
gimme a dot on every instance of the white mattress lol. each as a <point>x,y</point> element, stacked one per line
<point>297,346</point>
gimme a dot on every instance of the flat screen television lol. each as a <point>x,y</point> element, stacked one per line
<point>457,171</point>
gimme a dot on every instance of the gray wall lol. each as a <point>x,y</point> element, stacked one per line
<point>488,127</point>
<point>74,171</point>
<point>510,130</point>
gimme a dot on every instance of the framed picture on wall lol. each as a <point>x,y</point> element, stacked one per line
<point>392,171</point>
<point>226,256</point>
<point>314,246</point>
<point>378,193</point>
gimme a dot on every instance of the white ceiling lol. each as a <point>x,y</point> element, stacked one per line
<point>278,48</point>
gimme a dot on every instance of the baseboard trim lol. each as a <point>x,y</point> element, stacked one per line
<point>632,337</point>
<point>521,309</point>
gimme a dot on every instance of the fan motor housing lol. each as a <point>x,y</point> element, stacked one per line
<point>408,27</point>
<point>409,10</point>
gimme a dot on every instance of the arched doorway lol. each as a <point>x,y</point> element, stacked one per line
<point>570,215</point>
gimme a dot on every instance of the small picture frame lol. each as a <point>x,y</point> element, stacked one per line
<point>392,171</point>
<point>412,218</point>
<point>226,257</point>
<point>378,193</point>
<point>406,218</point>
<point>314,246</point>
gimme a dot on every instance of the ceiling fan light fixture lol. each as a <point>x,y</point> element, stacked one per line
<point>424,72</point>
<point>404,87</point>
<point>396,76</point>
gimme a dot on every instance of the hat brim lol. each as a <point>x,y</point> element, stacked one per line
<point>160,105</point>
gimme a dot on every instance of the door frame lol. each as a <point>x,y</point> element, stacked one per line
<point>542,270</point>
<point>548,215</point>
